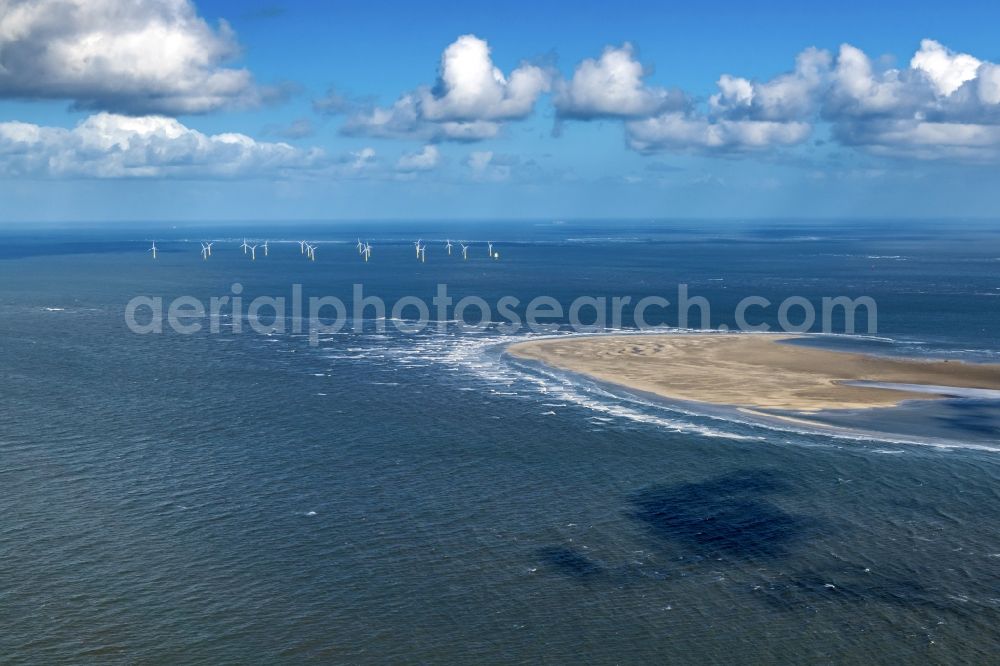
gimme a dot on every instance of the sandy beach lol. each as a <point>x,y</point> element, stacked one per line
<point>751,371</point>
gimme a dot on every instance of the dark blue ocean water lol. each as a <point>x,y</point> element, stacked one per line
<point>390,497</point>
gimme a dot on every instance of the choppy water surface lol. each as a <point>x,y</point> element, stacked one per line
<point>395,497</point>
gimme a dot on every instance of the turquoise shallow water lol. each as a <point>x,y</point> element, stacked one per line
<point>423,498</point>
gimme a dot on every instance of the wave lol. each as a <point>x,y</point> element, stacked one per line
<point>483,360</point>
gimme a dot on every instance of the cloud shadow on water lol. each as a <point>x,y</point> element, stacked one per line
<point>726,515</point>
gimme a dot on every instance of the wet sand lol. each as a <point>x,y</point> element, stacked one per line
<point>751,371</point>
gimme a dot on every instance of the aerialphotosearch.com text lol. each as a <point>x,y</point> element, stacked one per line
<point>326,315</point>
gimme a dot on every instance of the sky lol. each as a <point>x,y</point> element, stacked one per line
<point>173,110</point>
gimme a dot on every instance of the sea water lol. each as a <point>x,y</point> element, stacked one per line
<point>392,497</point>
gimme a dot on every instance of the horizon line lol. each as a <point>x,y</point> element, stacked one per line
<point>550,220</point>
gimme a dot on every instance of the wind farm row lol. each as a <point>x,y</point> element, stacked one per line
<point>308,249</point>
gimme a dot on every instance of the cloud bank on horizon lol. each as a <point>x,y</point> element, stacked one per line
<point>140,65</point>
<point>107,145</point>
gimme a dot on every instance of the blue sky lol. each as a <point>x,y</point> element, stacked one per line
<point>650,110</point>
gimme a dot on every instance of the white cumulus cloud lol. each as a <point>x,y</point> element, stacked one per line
<point>744,115</point>
<point>424,160</point>
<point>471,88</point>
<point>108,145</point>
<point>680,131</point>
<point>136,57</point>
<point>612,86</point>
<point>857,89</point>
<point>469,102</point>
<point>790,96</point>
<point>404,120</point>
<point>943,105</point>
<point>946,69</point>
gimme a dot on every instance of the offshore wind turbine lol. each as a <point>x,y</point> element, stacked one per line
<point>361,247</point>
<point>417,245</point>
<point>465,251</point>
<point>367,252</point>
<point>489,245</point>
<point>265,248</point>
<point>447,244</point>
<point>253,252</point>
<point>302,247</point>
<point>153,250</point>
<point>422,252</point>
<point>245,246</point>
<point>204,251</point>
<point>208,246</point>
